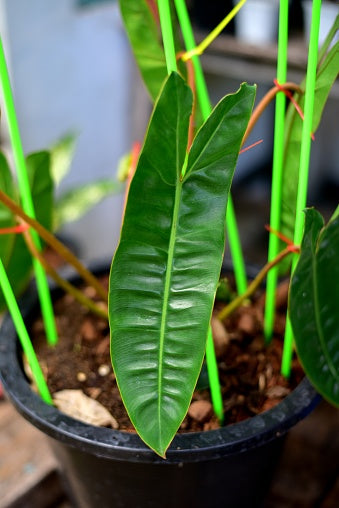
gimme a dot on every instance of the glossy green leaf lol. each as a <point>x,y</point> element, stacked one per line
<point>166,268</point>
<point>73,204</point>
<point>326,75</point>
<point>143,33</point>
<point>313,304</point>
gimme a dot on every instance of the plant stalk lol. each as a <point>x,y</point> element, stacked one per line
<point>23,335</point>
<point>59,247</point>
<point>305,151</point>
<point>262,105</point>
<point>277,170</point>
<point>234,304</point>
<point>26,197</point>
<point>67,286</point>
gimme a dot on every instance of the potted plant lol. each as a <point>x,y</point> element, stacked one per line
<point>163,281</point>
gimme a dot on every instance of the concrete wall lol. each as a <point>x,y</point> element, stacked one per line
<point>71,70</point>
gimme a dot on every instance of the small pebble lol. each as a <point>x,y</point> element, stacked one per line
<point>103,370</point>
<point>94,392</point>
<point>262,382</point>
<point>88,330</point>
<point>90,292</point>
<point>81,376</point>
<point>200,410</point>
<point>246,324</point>
<point>220,336</point>
<point>240,399</point>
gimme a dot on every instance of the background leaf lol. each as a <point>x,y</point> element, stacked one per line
<point>75,203</point>
<point>39,173</point>
<point>142,31</point>
<point>6,217</point>
<point>18,262</point>
<point>62,154</point>
<point>327,73</point>
<point>166,268</point>
<point>313,304</point>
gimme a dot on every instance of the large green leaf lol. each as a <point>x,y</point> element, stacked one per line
<point>327,73</point>
<point>144,37</point>
<point>74,203</point>
<point>313,304</point>
<point>166,268</point>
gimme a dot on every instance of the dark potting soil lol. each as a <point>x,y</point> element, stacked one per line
<point>249,370</point>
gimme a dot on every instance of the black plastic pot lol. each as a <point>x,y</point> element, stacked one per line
<point>229,467</point>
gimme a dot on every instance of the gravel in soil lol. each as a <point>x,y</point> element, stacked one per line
<point>249,370</point>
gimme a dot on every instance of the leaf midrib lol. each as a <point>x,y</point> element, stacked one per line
<point>169,270</point>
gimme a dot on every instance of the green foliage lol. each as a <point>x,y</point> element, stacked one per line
<point>224,291</point>
<point>165,271</point>
<point>41,184</point>
<point>327,73</point>
<point>74,203</point>
<point>45,171</point>
<point>61,155</point>
<point>313,304</point>
<point>14,253</point>
<point>6,217</point>
<point>144,37</point>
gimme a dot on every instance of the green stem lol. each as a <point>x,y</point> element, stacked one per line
<point>23,335</point>
<point>278,159</point>
<point>206,108</point>
<point>59,247</point>
<point>265,101</point>
<point>20,163</point>
<point>64,284</point>
<point>231,307</point>
<point>167,35</point>
<point>304,161</point>
<point>235,246</point>
<point>213,377</point>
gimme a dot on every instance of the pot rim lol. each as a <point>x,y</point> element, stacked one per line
<point>122,445</point>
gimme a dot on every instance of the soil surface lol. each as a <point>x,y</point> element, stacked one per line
<point>249,370</point>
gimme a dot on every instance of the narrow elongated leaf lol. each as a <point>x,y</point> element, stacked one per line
<point>313,304</point>
<point>73,204</point>
<point>326,75</point>
<point>144,37</point>
<point>166,268</point>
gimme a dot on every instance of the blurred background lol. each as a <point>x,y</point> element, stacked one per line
<point>72,71</point>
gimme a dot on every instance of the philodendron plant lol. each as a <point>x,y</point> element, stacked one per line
<point>167,265</point>
<point>166,268</point>
<point>165,271</point>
